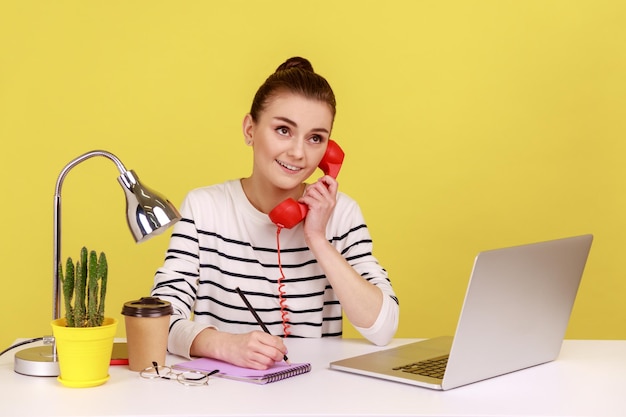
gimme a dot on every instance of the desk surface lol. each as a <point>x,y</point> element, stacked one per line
<point>588,379</point>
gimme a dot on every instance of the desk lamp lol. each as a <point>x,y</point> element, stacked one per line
<point>147,212</point>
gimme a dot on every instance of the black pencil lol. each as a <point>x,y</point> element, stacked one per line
<point>256,316</point>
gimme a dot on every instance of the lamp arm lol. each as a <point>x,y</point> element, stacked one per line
<point>56,292</point>
<point>84,157</point>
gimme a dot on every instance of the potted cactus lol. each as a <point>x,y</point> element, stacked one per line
<point>84,337</point>
<point>86,285</point>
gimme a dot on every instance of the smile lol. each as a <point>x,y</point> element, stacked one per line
<point>287,166</point>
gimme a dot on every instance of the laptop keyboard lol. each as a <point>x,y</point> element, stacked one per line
<point>433,368</point>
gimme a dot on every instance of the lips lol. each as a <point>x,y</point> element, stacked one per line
<point>288,167</point>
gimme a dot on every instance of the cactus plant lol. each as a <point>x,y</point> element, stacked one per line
<point>85,284</point>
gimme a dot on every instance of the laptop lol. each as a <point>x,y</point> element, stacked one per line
<point>514,316</point>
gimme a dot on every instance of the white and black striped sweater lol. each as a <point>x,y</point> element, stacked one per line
<point>223,242</point>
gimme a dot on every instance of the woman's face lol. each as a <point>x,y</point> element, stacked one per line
<point>289,139</point>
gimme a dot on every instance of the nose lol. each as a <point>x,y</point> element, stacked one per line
<point>296,148</point>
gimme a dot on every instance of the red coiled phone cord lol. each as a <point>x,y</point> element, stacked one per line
<point>281,288</point>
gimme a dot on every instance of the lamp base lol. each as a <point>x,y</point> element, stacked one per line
<point>37,361</point>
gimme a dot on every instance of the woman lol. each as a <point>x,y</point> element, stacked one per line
<point>299,279</point>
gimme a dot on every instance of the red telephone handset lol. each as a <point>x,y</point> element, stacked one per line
<point>289,213</point>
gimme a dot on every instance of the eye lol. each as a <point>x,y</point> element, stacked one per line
<point>316,139</point>
<point>282,130</point>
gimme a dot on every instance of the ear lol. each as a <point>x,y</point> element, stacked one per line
<point>248,129</point>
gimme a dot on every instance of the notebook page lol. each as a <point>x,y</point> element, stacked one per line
<point>277,372</point>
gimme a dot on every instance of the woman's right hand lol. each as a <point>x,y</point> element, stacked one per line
<point>256,350</point>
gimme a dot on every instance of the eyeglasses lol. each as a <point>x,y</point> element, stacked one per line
<point>189,378</point>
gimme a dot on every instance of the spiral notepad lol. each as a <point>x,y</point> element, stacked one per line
<point>277,372</point>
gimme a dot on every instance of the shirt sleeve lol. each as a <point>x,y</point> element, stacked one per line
<point>357,247</point>
<point>177,281</point>
<point>385,326</point>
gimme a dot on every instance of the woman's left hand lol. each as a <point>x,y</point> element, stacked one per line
<point>321,198</point>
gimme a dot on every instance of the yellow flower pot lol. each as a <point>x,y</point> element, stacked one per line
<point>84,352</point>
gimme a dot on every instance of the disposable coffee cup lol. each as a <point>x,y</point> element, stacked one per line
<point>147,322</point>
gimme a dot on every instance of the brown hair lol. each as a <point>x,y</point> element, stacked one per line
<point>295,75</point>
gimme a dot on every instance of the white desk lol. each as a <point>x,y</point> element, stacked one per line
<point>588,379</point>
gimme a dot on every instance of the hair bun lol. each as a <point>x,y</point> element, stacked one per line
<point>296,62</point>
<point>294,76</point>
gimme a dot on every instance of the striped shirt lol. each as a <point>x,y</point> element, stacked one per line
<point>223,242</point>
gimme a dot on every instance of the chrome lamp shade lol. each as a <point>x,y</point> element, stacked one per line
<point>148,213</point>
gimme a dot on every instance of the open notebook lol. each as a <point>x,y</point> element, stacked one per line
<point>277,372</point>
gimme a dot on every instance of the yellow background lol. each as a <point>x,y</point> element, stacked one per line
<point>468,125</point>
